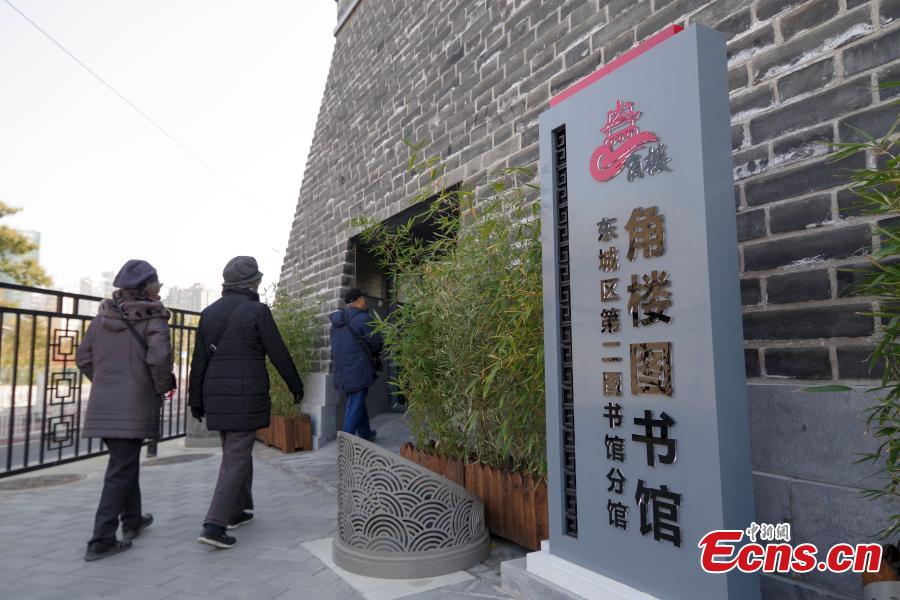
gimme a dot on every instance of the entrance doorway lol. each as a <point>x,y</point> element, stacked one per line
<point>376,282</point>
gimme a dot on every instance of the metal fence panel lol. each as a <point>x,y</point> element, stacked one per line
<point>43,395</point>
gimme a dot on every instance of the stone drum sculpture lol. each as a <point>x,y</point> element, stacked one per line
<point>397,520</point>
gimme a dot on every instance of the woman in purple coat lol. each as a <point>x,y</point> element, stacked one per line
<point>127,355</point>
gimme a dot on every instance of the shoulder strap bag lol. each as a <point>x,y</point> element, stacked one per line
<point>212,346</point>
<point>140,339</point>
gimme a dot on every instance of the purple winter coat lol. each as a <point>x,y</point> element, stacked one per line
<point>125,401</point>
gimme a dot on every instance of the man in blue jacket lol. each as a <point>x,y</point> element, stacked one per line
<point>354,360</point>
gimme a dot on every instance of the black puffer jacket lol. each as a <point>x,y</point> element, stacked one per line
<point>232,384</point>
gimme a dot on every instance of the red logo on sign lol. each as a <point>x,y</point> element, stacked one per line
<point>623,138</point>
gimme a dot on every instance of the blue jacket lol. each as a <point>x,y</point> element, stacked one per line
<point>350,365</point>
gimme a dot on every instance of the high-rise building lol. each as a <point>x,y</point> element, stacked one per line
<point>106,288</point>
<point>86,286</point>
<point>102,287</point>
<point>194,298</point>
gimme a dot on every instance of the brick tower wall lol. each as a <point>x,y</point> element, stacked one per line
<point>469,79</point>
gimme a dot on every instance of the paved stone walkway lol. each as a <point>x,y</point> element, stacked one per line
<point>43,533</point>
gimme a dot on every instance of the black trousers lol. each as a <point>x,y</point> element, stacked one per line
<point>233,493</point>
<point>121,497</point>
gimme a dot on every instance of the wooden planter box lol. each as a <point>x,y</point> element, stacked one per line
<point>288,434</point>
<point>515,506</point>
<point>452,469</point>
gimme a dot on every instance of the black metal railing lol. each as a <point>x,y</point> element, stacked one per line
<point>43,396</point>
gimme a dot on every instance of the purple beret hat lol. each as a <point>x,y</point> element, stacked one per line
<point>134,274</point>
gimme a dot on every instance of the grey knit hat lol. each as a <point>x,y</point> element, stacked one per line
<point>241,270</point>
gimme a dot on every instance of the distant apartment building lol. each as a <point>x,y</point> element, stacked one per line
<point>102,287</point>
<point>194,298</point>
<point>86,286</point>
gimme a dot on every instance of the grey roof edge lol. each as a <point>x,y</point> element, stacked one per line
<point>345,16</point>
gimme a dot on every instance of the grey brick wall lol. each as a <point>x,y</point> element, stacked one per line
<point>470,77</point>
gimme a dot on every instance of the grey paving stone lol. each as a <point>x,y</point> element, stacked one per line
<point>187,596</point>
<point>10,589</point>
<point>295,503</point>
<point>141,592</point>
<point>17,563</point>
<point>248,591</point>
<point>469,589</point>
<point>39,593</point>
<point>295,554</point>
<point>281,566</point>
<point>335,590</point>
<point>37,548</point>
<point>57,567</point>
<point>188,583</point>
<point>309,582</point>
<point>121,575</point>
<point>224,573</point>
<point>150,564</point>
<point>75,584</point>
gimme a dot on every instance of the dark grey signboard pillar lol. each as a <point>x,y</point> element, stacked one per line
<point>648,444</point>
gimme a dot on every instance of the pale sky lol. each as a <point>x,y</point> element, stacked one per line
<point>239,82</point>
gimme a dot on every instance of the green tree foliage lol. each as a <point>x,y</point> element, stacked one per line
<point>297,320</point>
<point>468,339</point>
<point>878,189</point>
<point>13,245</point>
<point>30,355</point>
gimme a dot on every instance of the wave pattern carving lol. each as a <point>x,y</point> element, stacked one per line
<point>388,504</point>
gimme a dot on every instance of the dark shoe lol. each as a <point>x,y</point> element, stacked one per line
<point>215,536</point>
<point>245,519</point>
<point>371,437</point>
<point>98,550</point>
<point>129,534</point>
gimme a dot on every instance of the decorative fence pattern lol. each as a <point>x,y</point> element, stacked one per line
<point>43,396</point>
<point>566,391</point>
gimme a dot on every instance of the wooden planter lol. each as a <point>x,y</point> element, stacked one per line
<point>452,469</point>
<point>288,434</point>
<point>515,506</point>
<point>885,573</point>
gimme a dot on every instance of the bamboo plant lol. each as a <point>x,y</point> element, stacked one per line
<point>467,339</point>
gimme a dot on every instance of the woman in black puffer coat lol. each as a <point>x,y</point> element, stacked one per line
<point>229,385</point>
